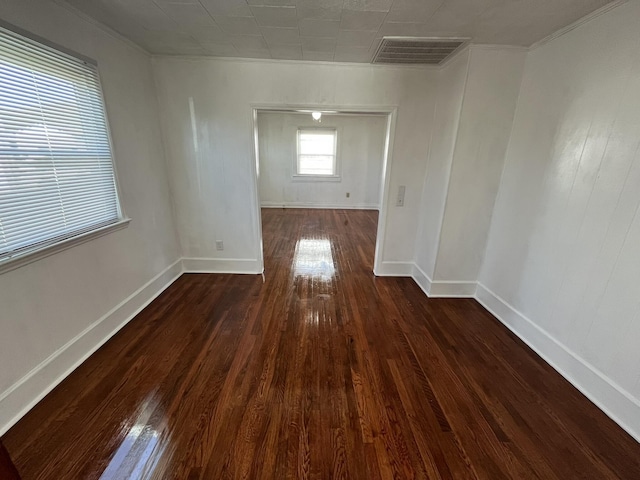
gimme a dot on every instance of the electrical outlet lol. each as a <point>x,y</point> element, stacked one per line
<point>219,245</point>
<point>348,194</point>
<point>400,197</point>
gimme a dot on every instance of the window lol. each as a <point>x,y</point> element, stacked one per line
<point>316,152</point>
<point>57,177</point>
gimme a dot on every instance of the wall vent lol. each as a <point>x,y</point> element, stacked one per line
<point>417,51</point>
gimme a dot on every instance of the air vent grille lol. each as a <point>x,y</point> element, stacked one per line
<point>416,51</point>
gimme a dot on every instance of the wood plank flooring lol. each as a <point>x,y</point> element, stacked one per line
<point>321,372</point>
<point>7,468</point>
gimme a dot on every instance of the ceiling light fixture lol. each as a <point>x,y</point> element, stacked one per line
<point>316,116</point>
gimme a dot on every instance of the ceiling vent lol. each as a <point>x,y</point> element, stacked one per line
<point>417,51</point>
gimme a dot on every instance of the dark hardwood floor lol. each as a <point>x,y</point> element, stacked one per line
<point>7,468</point>
<point>322,372</point>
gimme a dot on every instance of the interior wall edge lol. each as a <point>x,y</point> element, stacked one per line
<point>454,56</point>
<point>423,225</point>
<point>167,166</point>
<point>106,29</point>
<point>452,289</point>
<point>422,279</point>
<point>377,66</point>
<point>322,206</point>
<point>518,105</point>
<point>422,220</point>
<point>221,265</point>
<point>450,161</point>
<point>604,393</point>
<point>23,395</point>
<point>394,269</point>
<point>440,288</point>
<point>586,19</point>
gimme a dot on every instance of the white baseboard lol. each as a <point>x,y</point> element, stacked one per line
<point>30,389</point>
<point>325,206</point>
<point>394,269</point>
<point>442,289</point>
<point>609,397</point>
<point>432,289</point>
<point>422,279</point>
<point>221,265</point>
<point>453,289</point>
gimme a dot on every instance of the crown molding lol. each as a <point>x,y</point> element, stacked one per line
<point>101,26</point>
<point>293,62</point>
<point>586,19</point>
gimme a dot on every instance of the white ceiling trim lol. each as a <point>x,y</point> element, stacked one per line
<point>586,19</point>
<point>297,62</point>
<point>105,28</point>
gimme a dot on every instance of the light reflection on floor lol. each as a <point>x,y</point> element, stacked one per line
<point>313,258</point>
<point>140,450</point>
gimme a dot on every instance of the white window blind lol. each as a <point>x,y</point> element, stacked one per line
<point>56,171</point>
<point>316,152</point>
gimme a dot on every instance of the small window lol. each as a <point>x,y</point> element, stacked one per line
<point>316,152</point>
<point>57,176</point>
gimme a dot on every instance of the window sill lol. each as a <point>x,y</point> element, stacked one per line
<point>29,257</point>
<point>317,178</point>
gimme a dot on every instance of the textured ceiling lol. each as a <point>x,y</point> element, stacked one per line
<point>329,30</point>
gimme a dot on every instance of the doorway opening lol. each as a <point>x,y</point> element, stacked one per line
<point>310,158</point>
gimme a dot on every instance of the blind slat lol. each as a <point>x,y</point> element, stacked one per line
<point>56,168</point>
<point>23,238</point>
<point>62,221</point>
<point>14,98</point>
<point>31,191</point>
<point>55,239</point>
<point>34,209</point>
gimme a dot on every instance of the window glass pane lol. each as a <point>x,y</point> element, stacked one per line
<point>56,171</point>
<point>316,152</point>
<point>315,165</point>
<point>317,143</point>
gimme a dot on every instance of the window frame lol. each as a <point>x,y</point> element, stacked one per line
<point>305,177</point>
<point>37,251</point>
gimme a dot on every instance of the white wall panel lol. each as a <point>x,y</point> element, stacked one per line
<point>206,114</point>
<point>477,95</point>
<point>489,103</point>
<point>451,84</point>
<point>564,245</point>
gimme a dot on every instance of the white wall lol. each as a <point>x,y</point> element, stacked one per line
<point>50,310</point>
<point>489,103</point>
<point>477,95</point>
<point>562,265</point>
<point>360,152</point>
<point>450,91</point>
<point>207,121</point>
